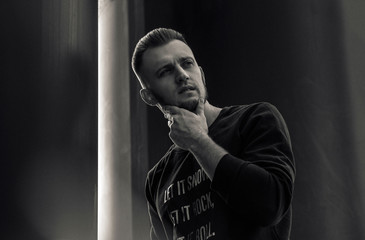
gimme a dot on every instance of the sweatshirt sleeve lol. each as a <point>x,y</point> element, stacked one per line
<point>259,183</point>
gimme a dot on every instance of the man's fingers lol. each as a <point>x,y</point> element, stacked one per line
<point>171,109</point>
<point>165,111</point>
<point>167,116</point>
<point>170,122</point>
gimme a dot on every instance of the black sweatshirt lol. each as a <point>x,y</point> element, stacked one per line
<point>251,191</point>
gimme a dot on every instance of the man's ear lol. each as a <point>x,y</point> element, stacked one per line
<point>202,73</point>
<point>148,97</point>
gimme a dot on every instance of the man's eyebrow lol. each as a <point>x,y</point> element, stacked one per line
<point>166,65</point>
<point>181,59</point>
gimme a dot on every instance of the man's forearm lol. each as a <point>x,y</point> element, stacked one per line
<point>208,154</point>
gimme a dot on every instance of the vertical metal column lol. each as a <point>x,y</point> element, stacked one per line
<point>114,140</point>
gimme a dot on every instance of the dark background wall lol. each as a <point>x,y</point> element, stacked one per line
<point>48,120</point>
<point>305,58</point>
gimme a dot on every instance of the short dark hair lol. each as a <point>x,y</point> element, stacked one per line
<point>154,38</point>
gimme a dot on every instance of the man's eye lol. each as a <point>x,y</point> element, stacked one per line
<point>164,72</point>
<point>188,63</point>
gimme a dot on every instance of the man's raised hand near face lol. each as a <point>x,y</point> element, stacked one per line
<point>186,127</point>
<point>189,131</point>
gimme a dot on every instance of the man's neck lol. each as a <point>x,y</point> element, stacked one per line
<point>211,112</point>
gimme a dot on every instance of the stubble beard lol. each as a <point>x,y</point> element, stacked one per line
<point>192,104</point>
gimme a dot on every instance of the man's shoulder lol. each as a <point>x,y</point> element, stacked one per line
<point>249,109</point>
<point>249,117</point>
<point>262,111</point>
<point>253,106</point>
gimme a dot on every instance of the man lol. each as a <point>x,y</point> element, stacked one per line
<point>230,171</point>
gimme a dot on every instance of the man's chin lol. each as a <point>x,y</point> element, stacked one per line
<point>190,105</point>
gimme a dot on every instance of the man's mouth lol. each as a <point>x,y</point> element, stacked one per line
<point>186,88</point>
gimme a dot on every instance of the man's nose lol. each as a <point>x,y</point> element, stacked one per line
<point>181,75</point>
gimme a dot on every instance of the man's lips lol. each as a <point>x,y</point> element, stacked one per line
<point>186,88</point>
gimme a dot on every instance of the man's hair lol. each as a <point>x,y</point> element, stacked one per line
<point>154,38</point>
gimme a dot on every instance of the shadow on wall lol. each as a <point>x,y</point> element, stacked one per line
<point>49,121</point>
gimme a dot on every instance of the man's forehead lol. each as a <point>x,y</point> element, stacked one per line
<point>166,53</point>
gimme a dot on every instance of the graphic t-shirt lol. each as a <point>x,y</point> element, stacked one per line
<point>251,191</point>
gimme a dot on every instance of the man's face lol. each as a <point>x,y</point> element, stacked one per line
<point>173,75</point>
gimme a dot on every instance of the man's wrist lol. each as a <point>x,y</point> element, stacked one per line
<point>208,154</point>
<point>201,140</point>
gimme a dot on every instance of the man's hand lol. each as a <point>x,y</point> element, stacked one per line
<point>186,128</point>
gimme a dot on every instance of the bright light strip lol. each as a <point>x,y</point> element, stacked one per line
<point>114,147</point>
<point>101,147</point>
<point>103,207</point>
